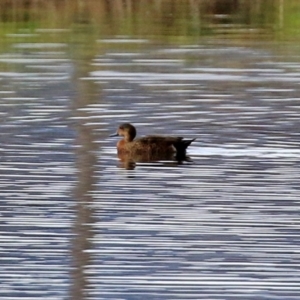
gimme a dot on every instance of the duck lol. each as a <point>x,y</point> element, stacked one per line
<point>152,145</point>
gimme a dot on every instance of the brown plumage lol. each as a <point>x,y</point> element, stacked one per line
<point>151,144</point>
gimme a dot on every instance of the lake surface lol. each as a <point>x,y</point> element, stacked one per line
<point>79,223</point>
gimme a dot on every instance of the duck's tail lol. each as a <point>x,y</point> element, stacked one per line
<point>182,145</point>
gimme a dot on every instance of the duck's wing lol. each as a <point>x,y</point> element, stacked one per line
<point>158,139</point>
<point>178,142</point>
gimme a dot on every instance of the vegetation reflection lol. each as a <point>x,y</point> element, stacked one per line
<point>167,19</point>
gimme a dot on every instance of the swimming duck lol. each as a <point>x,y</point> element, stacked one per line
<point>151,144</point>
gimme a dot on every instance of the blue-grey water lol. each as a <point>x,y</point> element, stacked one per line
<point>78,223</point>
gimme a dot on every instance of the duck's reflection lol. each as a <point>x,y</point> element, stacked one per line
<point>129,161</point>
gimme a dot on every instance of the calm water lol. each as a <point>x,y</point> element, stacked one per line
<point>78,223</point>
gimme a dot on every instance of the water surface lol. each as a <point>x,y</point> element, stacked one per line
<point>78,223</point>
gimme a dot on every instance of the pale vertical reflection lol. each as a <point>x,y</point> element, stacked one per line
<point>82,225</point>
<point>86,157</point>
<point>280,13</point>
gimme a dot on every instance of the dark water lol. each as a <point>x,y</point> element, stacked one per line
<point>77,223</point>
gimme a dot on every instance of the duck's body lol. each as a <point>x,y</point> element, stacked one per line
<point>153,145</point>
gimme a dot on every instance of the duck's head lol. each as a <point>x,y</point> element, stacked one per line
<point>126,130</point>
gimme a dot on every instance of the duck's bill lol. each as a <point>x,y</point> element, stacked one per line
<point>114,134</point>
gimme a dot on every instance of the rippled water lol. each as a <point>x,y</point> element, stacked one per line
<point>78,223</point>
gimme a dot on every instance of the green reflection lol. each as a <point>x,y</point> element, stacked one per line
<point>174,20</point>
